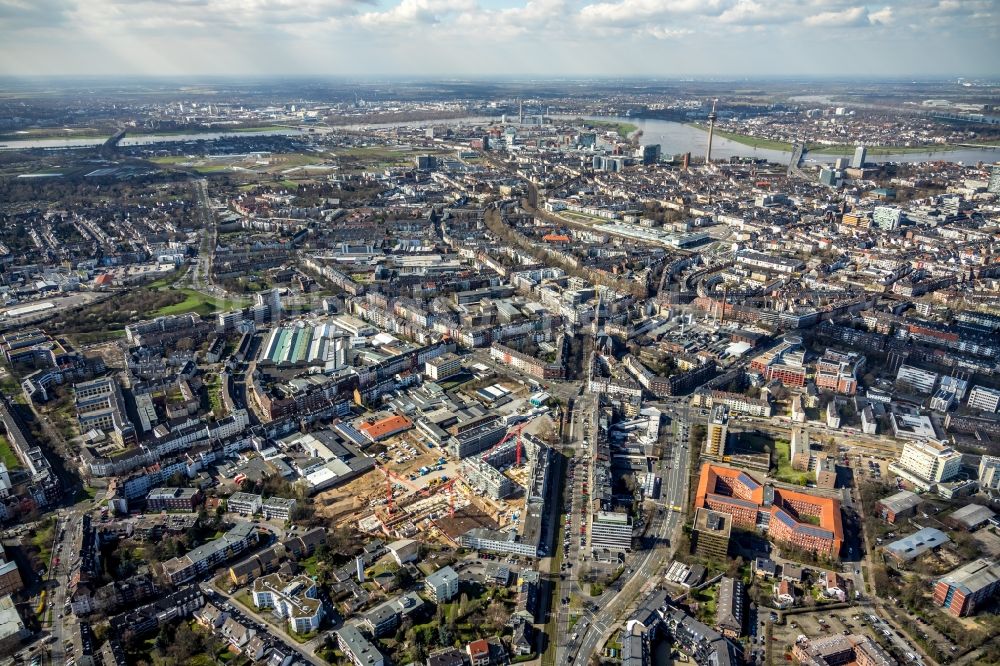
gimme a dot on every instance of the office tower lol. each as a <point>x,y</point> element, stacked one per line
<point>994,186</point>
<point>859,157</point>
<point>651,154</point>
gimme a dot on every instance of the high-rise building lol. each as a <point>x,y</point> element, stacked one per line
<point>994,186</point>
<point>989,473</point>
<point>718,430</point>
<point>270,299</point>
<point>931,462</point>
<point>710,534</point>
<point>425,162</point>
<point>828,177</point>
<point>651,153</point>
<point>860,153</point>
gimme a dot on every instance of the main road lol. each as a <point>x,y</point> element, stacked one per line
<point>647,569</point>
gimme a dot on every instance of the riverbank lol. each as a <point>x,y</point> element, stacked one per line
<point>102,135</point>
<point>623,129</point>
<point>839,149</point>
<point>746,139</point>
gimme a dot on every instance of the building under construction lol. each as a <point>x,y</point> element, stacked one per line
<point>496,474</point>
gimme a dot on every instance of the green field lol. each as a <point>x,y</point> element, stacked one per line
<point>199,303</point>
<point>7,455</point>
<point>747,140</point>
<point>839,149</point>
<point>785,473</point>
<point>847,150</point>
<point>623,129</point>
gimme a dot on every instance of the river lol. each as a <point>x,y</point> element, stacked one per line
<point>678,138</point>
<point>674,138</point>
<point>141,139</point>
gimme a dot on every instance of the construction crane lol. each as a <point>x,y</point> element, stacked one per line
<point>389,477</point>
<point>513,432</point>
<point>448,486</point>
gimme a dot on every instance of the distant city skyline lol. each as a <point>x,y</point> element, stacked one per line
<point>660,38</point>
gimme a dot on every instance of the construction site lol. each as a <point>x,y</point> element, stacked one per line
<point>418,490</point>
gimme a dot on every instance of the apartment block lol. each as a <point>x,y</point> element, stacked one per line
<point>985,399</point>
<point>967,587</point>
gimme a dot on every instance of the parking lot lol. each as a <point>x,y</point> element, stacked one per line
<point>857,620</point>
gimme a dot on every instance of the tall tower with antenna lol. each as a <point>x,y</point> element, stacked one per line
<point>520,112</point>
<point>711,131</point>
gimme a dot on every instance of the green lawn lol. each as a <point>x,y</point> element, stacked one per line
<point>43,541</point>
<point>785,472</point>
<point>86,492</point>
<point>623,129</point>
<point>199,303</point>
<point>746,139</point>
<point>214,388</point>
<point>7,455</point>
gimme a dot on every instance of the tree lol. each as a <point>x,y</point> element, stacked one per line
<point>446,633</point>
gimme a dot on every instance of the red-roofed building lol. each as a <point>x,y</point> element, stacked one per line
<point>479,652</point>
<point>801,520</point>
<point>386,427</point>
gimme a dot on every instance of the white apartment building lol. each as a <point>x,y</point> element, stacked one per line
<point>246,504</point>
<point>930,462</point>
<point>989,473</point>
<point>278,508</point>
<point>986,399</point>
<point>443,366</point>
<point>295,598</point>
<point>915,379</point>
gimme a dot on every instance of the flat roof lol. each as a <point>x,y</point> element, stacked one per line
<point>901,501</point>
<point>973,576</point>
<point>972,514</point>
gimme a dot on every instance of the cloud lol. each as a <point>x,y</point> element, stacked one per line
<point>850,17</point>
<point>28,14</point>
<point>418,12</point>
<point>487,37</point>
<point>660,32</point>
<point>883,16</point>
<point>633,13</point>
<point>748,12</point>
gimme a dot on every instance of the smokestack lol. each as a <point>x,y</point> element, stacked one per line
<point>711,131</point>
<point>520,112</point>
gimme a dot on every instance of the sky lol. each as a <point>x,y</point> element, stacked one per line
<point>468,38</point>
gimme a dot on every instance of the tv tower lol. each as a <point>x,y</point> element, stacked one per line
<point>711,130</point>
<point>520,112</point>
